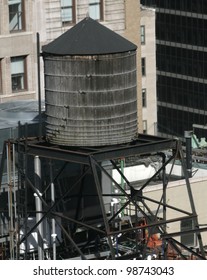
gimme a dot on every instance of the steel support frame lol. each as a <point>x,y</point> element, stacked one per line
<point>92,158</point>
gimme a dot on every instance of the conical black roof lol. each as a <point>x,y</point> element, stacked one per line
<point>88,37</point>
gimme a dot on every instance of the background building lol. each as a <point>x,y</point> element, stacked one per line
<point>18,77</point>
<point>21,20</point>
<point>177,189</point>
<point>181,42</point>
<point>148,70</point>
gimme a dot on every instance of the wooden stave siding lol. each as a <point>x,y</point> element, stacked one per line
<point>92,100</point>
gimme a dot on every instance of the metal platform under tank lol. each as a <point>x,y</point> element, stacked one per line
<point>101,234</point>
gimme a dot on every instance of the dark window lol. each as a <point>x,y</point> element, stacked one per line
<point>68,11</point>
<point>142,33</point>
<point>175,121</point>
<point>16,15</point>
<point>96,9</point>
<point>145,127</point>
<point>182,61</point>
<point>144,98</point>
<point>18,73</point>
<point>143,66</point>
<point>151,3</point>
<point>182,92</point>
<point>187,239</point>
<point>196,6</point>
<point>181,29</point>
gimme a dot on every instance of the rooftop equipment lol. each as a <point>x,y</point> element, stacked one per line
<point>90,87</point>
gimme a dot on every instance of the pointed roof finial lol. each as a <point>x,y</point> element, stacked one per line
<point>87,15</point>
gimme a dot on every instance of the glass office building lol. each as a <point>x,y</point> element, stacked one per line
<point>181,50</point>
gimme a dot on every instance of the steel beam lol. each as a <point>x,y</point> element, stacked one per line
<point>110,153</point>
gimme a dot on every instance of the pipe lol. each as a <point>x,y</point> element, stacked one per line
<point>10,200</point>
<point>53,235</point>
<point>38,203</point>
<point>164,185</point>
<point>122,183</point>
<point>39,85</point>
<point>188,135</point>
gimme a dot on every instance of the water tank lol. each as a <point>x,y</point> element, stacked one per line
<point>90,87</point>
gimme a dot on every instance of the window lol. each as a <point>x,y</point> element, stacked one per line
<point>190,238</point>
<point>142,31</point>
<point>96,9</point>
<point>18,73</point>
<point>144,98</point>
<point>68,11</point>
<point>16,15</point>
<point>143,66</point>
<point>145,127</point>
